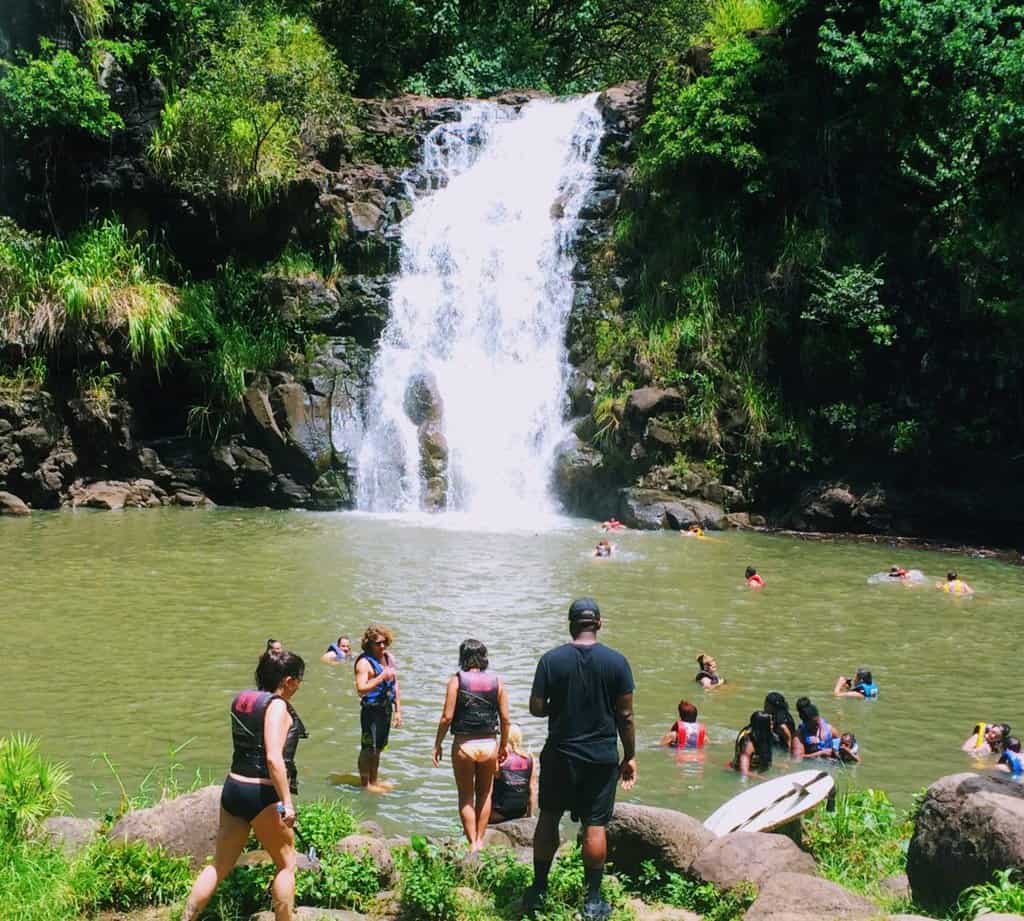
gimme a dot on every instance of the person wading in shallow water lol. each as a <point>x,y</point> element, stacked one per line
<point>585,690</point>
<point>257,793</point>
<point>381,708</point>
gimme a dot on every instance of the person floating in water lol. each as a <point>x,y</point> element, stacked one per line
<point>603,548</point>
<point>753,579</point>
<point>987,738</point>
<point>708,677</point>
<point>861,686</point>
<point>338,652</point>
<point>954,585</point>
<point>694,530</point>
<point>753,749</point>
<point>1011,759</point>
<point>686,732</point>
<point>376,677</point>
<point>612,524</point>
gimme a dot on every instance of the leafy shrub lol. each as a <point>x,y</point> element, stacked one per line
<point>237,129</point>
<point>428,881</point>
<point>860,843</point>
<point>32,788</point>
<point>111,875</point>
<point>323,822</point>
<point>504,878</point>
<point>849,299</point>
<point>53,93</point>
<point>1005,894</point>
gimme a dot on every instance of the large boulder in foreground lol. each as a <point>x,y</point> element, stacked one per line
<point>969,826</point>
<point>185,826</point>
<point>671,839</point>
<point>750,857</point>
<point>519,831</point>
<point>68,833</point>
<point>797,897</point>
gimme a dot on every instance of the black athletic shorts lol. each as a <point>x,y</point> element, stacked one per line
<point>376,723</point>
<point>585,789</point>
<point>246,800</point>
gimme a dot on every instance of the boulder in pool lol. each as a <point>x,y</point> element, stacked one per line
<point>969,826</point>
<point>519,831</point>
<point>672,840</point>
<point>10,504</point>
<point>656,509</point>
<point>185,826</point>
<point>798,897</point>
<point>750,857</point>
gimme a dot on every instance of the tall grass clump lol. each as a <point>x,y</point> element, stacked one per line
<point>1004,895</point>
<point>730,18</point>
<point>863,841</point>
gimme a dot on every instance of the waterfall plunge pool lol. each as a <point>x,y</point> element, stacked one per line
<point>129,632</point>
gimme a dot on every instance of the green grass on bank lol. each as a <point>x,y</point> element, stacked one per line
<point>860,843</point>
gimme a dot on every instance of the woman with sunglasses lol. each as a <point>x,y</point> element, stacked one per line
<point>380,703</point>
<point>257,793</point>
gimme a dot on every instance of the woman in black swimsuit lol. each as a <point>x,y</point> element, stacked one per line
<point>257,792</point>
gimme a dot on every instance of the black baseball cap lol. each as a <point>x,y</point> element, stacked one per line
<point>584,609</point>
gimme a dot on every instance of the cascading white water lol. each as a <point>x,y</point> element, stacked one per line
<point>479,311</point>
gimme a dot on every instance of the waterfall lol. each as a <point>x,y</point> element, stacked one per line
<point>467,401</point>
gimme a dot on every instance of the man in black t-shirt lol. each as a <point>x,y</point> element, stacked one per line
<point>585,690</point>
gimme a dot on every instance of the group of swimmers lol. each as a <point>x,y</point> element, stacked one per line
<point>996,739</point>
<point>773,726</point>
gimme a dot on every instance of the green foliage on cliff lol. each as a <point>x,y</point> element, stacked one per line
<point>51,94</point>
<point>826,227</point>
<point>269,85</point>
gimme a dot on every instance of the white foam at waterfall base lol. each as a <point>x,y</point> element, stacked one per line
<point>481,304</point>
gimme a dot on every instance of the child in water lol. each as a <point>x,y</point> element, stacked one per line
<point>686,732</point>
<point>753,579</point>
<point>954,585</point>
<point>603,548</point>
<point>846,749</point>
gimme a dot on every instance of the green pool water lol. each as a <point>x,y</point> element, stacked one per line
<point>127,634</point>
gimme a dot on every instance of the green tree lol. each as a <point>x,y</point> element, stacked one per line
<point>270,85</point>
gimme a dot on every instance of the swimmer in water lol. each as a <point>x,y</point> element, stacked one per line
<point>1011,759</point>
<point>861,687</point>
<point>338,652</point>
<point>603,548</point>
<point>708,677</point>
<point>612,524</point>
<point>898,572</point>
<point>274,647</point>
<point>694,530</point>
<point>814,733</point>
<point>753,579</point>
<point>846,749</point>
<point>987,738</point>
<point>783,727</point>
<point>686,732</point>
<point>753,750</point>
<point>954,585</point>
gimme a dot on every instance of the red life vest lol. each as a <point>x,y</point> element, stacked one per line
<point>690,735</point>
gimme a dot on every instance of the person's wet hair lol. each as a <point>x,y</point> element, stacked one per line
<point>802,703</point>
<point>376,630</point>
<point>473,654</point>
<point>1012,744</point>
<point>952,575</point>
<point>703,659</point>
<point>864,676</point>
<point>1004,732</point>
<point>761,736</point>
<point>687,712</point>
<point>750,572</point>
<point>273,668</point>
<point>270,642</point>
<point>775,704</point>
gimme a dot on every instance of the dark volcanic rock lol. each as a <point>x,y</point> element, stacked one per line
<point>651,510</point>
<point>671,839</point>
<point>968,826</point>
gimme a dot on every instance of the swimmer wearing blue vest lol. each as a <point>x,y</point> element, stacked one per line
<point>861,687</point>
<point>338,652</point>
<point>1011,759</point>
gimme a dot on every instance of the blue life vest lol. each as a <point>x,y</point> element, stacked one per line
<point>341,654</point>
<point>870,691</point>
<point>813,742</point>
<point>1014,761</point>
<point>383,694</point>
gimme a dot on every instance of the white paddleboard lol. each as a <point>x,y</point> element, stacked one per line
<point>771,803</point>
